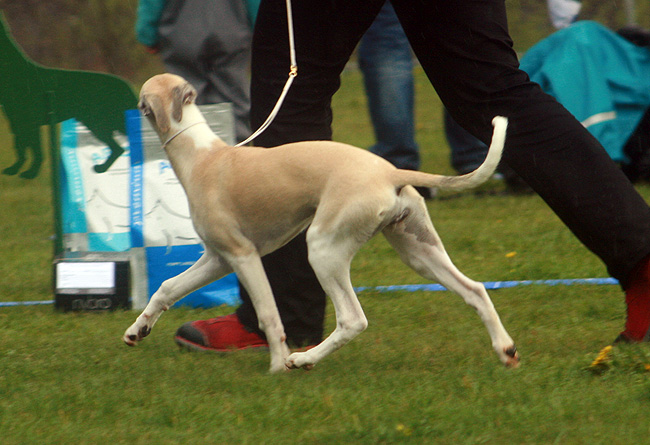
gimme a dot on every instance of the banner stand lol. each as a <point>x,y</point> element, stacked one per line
<point>134,213</point>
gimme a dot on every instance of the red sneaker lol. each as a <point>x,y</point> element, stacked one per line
<point>221,334</point>
<point>637,298</point>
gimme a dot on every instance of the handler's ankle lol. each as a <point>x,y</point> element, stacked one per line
<point>637,298</point>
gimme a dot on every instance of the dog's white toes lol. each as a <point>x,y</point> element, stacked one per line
<point>143,332</point>
<point>299,360</point>
<point>275,369</point>
<point>132,339</point>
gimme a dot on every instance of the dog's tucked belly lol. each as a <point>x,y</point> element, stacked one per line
<point>278,239</point>
<point>266,223</point>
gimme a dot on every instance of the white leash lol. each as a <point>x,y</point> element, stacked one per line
<point>292,74</point>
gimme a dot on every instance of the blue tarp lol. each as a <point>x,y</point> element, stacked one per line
<point>600,77</point>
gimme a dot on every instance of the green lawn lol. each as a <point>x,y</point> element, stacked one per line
<point>423,372</point>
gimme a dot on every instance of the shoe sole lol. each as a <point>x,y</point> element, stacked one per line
<point>191,346</point>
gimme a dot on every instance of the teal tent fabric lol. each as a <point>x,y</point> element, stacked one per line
<point>600,77</point>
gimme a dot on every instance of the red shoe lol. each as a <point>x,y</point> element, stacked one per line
<point>221,334</point>
<point>637,298</point>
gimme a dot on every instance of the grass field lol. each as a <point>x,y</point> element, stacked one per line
<point>423,372</point>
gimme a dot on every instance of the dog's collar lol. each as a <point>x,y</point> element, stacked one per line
<point>173,136</point>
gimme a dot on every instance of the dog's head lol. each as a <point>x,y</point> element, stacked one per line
<point>162,99</point>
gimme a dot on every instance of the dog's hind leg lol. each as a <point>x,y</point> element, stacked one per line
<point>206,270</point>
<point>420,247</point>
<point>330,255</point>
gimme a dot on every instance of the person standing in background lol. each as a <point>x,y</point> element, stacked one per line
<point>562,13</point>
<point>206,42</point>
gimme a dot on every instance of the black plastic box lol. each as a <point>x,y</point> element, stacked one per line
<point>92,282</point>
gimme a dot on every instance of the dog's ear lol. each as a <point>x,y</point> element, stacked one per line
<point>152,108</point>
<point>182,95</point>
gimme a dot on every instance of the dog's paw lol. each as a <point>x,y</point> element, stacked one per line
<point>299,360</point>
<point>278,369</point>
<point>133,335</point>
<point>278,365</point>
<point>511,357</point>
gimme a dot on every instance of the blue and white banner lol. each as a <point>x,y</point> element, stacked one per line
<point>137,206</point>
<point>160,218</point>
<point>95,207</point>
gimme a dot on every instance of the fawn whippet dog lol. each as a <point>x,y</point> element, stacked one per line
<point>247,202</point>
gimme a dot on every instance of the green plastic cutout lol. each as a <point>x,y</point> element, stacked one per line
<point>33,95</point>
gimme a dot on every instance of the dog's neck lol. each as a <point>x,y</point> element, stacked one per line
<point>191,126</point>
<point>179,132</point>
<point>187,139</point>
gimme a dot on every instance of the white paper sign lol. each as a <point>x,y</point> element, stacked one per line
<point>85,275</point>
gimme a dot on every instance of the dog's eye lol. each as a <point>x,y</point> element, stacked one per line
<point>144,108</point>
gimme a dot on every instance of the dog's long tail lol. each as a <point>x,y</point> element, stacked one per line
<point>462,182</point>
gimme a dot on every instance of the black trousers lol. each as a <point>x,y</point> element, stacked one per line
<point>466,51</point>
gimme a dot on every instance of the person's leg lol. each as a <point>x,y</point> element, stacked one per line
<point>386,61</point>
<point>465,49</point>
<point>326,33</point>
<point>466,152</point>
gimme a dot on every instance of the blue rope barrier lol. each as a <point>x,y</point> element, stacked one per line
<point>490,285</point>
<point>25,303</point>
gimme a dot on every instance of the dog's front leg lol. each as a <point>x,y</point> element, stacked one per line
<point>207,269</point>
<point>250,272</point>
<point>330,258</point>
